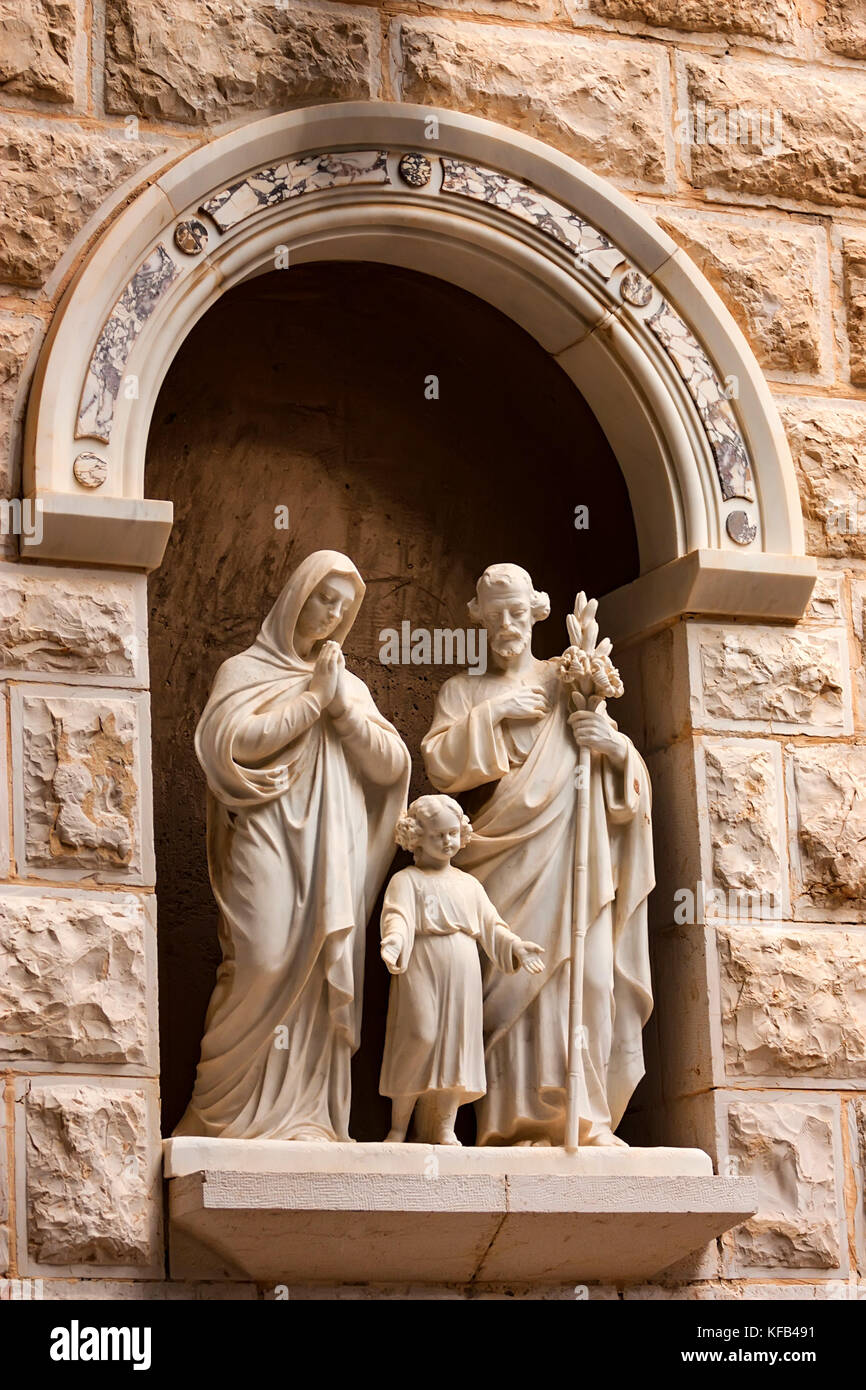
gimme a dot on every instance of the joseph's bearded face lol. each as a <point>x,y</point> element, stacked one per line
<point>507,615</point>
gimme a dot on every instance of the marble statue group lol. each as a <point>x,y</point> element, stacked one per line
<point>516,942</point>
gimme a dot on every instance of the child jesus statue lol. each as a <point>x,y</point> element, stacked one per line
<point>434,918</point>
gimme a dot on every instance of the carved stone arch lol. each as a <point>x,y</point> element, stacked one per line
<point>587,272</point>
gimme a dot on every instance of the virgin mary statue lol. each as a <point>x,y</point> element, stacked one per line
<point>306,781</point>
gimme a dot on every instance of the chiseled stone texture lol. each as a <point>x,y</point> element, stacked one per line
<point>72,980</point>
<point>788,1147</point>
<point>207,60</point>
<point>71,622</point>
<point>4,1186</point>
<point>858,1138</point>
<point>828,443</point>
<point>599,100</point>
<point>81,798</point>
<point>767,19</point>
<point>743,802</point>
<point>53,177</point>
<point>829,814</point>
<point>845,27</point>
<point>16,339</point>
<point>775,677</point>
<point>37,38</point>
<point>145,1290</point>
<point>829,1290</point>
<point>793,1001</point>
<point>89,1176</point>
<point>825,601</point>
<point>768,278</point>
<point>812,144</point>
<point>854,275</point>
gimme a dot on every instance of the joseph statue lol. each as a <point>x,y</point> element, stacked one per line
<point>510,744</point>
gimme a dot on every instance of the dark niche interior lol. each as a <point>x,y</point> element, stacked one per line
<point>307,389</point>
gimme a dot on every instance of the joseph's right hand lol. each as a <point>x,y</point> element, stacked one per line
<point>529,702</point>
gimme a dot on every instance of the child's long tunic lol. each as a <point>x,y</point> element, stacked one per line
<point>434,1039</point>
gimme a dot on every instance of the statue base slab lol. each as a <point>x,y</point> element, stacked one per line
<point>280,1212</point>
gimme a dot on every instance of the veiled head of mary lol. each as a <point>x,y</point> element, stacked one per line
<point>320,601</point>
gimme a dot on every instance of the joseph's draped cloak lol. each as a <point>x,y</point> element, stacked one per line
<point>523,853</point>
<point>299,841</point>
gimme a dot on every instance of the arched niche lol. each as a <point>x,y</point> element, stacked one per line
<point>306,390</point>
<point>586,272</point>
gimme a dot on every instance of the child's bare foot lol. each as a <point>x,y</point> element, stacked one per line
<point>447,1136</point>
<point>395,1136</point>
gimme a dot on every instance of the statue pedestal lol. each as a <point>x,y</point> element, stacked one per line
<point>298,1213</point>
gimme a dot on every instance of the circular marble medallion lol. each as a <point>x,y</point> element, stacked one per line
<point>90,470</point>
<point>190,237</point>
<point>415,169</point>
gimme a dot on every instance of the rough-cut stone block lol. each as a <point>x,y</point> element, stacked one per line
<point>533,11</point>
<point>73,985</point>
<point>827,801</point>
<point>825,603</point>
<point>596,99</point>
<point>854,273</point>
<point>78,785</point>
<point>70,622</point>
<point>732,1291</point>
<point>789,1148</point>
<point>90,1176</point>
<point>148,1291</point>
<point>858,613</point>
<point>205,60</point>
<point>745,827</point>
<point>759,128</point>
<point>766,19</point>
<point>844,27</point>
<point>53,177</point>
<point>768,276</point>
<point>828,443</point>
<point>37,38</point>
<point>858,1150</point>
<point>793,1001</point>
<point>16,339</point>
<point>773,678</point>
<point>4,1185</point>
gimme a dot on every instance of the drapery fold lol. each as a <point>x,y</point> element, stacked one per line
<point>523,852</point>
<point>299,841</point>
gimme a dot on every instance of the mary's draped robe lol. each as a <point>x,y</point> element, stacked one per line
<point>523,853</point>
<point>301,815</point>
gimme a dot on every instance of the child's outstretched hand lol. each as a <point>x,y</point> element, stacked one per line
<point>390,952</point>
<point>529,956</point>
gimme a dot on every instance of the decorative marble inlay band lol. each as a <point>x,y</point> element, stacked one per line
<point>714,408</point>
<point>114,344</point>
<point>280,182</point>
<point>501,191</point>
<point>592,251</point>
<point>592,248</point>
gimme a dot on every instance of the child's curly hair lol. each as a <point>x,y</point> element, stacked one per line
<point>410,824</point>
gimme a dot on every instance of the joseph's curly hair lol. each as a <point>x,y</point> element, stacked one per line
<point>411,823</point>
<point>507,577</point>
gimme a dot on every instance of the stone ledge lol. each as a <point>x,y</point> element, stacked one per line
<point>350,1213</point>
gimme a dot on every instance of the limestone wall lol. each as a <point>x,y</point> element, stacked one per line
<point>740,127</point>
